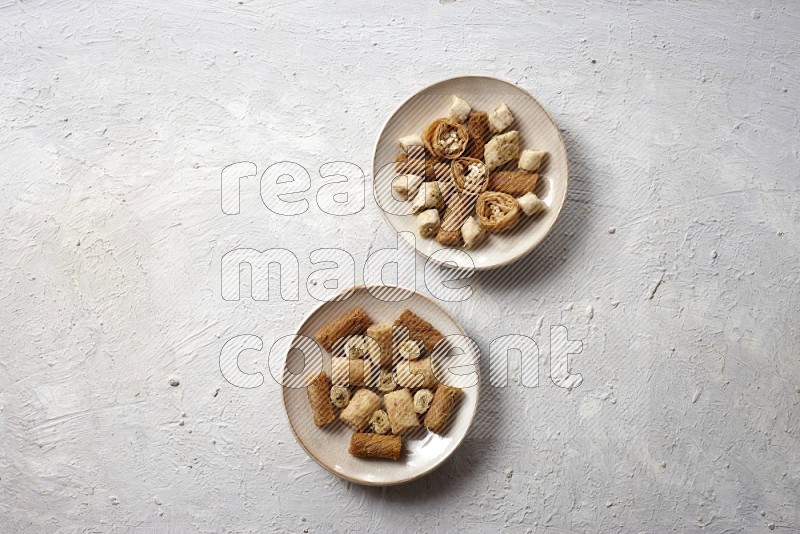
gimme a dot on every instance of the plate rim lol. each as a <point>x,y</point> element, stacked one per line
<point>446,263</point>
<point>444,458</point>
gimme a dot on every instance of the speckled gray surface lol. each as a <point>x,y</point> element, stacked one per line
<point>676,260</point>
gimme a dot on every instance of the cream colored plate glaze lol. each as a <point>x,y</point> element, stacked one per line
<point>423,451</point>
<point>537,131</point>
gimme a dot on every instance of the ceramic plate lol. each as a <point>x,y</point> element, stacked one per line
<point>537,131</point>
<point>423,450</point>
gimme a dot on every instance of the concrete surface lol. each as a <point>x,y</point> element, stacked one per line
<point>676,262</point>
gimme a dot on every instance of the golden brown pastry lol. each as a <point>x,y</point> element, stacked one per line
<point>352,323</point>
<point>497,212</point>
<point>514,183</point>
<point>445,138</point>
<point>400,409</point>
<point>419,329</point>
<point>361,407</point>
<point>477,130</point>
<point>469,175</point>
<point>375,446</point>
<point>318,390</point>
<point>415,374</point>
<point>347,372</point>
<point>425,166</point>
<point>381,333</point>
<point>460,207</point>
<point>442,407</point>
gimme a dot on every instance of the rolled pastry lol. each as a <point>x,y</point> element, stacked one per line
<point>420,164</point>
<point>356,347</point>
<point>419,329</point>
<point>444,402</point>
<point>428,222</point>
<point>340,396</point>
<point>317,389</point>
<point>422,400</point>
<point>382,334</point>
<point>501,149</point>
<point>531,204</point>
<point>406,185</point>
<point>459,209</point>
<point>361,407</point>
<point>472,233</point>
<point>497,212</point>
<point>445,138</point>
<point>386,381</point>
<point>427,197</point>
<point>415,374</point>
<point>347,372</point>
<point>469,175</point>
<point>375,446</point>
<point>449,238</point>
<point>459,109</point>
<point>352,323</point>
<point>409,350</point>
<point>501,118</point>
<point>379,422</point>
<point>477,130</point>
<point>514,183</point>
<point>447,188</point>
<point>531,160</point>
<point>408,141</point>
<point>400,409</point>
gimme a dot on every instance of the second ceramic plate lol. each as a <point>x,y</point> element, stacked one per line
<point>537,131</point>
<point>423,450</point>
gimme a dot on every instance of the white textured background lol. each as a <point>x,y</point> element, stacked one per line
<point>681,123</point>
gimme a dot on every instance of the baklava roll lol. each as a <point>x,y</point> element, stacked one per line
<point>318,390</point>
<point>497,212</point>
<point>419,329</point>
<point>422,401</point>
<point>426,167</point>
<point>444,402</point>
<point>445,138</point>
<point>514,183</point>
<point>400,409</point>
<point>381,333</point>
<point>357,414</point>
<point>477,129</point>
<point>469,175</point>
<point>459,209</point>
<point>352,323</point>
<point>347,372</point>
<point>501,149</point>
<point>375,446</point>
<point>415,374</point>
